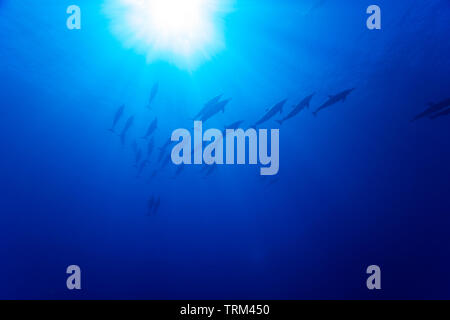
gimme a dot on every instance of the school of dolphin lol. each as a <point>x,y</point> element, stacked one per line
<point>435,110</point>
<point>209,110</point>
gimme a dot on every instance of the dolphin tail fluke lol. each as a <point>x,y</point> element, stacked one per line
<point>314,113</point>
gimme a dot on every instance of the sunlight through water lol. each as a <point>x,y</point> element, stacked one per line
<point>184,33</point>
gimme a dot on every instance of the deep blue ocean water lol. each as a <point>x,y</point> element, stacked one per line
<point>358,185</point>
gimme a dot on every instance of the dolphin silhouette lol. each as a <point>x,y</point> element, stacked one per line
<point>441,114</point>
<point>272,112</point>
<point>153,94</point>
<point>208,105</point>
<point>150,205</point>
<point>156,206</point>
<point>299,107</point>
<point>152,127</point>
<point>128,124</point>
<point>150,147</point>
<point>342,96</point>
<point>141,168</point>
<point>117,117</point>
<point>432,108</point>
<point>220,106</point>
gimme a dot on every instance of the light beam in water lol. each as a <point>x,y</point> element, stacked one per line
<point>183,32</point>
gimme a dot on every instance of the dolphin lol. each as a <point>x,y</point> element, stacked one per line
<point>211,103</point>
<point>299,107</point>
<point>166,161</point>
<point>166,144</point>
<point>272,112</point>
<point>156,206</point>
<point>342,96</point>
<point>138,157</point>
<point>163,149</point>
<point>153,94</point>
<point>220,106</point>
<point>446,112</point>
<point>161,155</point>
<point>152,127</point>
<point>234,125</point>
<point>432,108</point>
<point>117,116</point>
<point>141,167</point>
<point>150,148</point>
<point>128,124</point>
<point>150,205</point>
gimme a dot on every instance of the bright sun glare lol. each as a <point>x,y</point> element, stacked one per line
<point>183,32</point>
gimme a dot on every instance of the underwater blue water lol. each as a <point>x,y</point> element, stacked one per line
<point>358,185</point>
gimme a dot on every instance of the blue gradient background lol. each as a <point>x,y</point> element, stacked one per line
<point>358,185</point>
